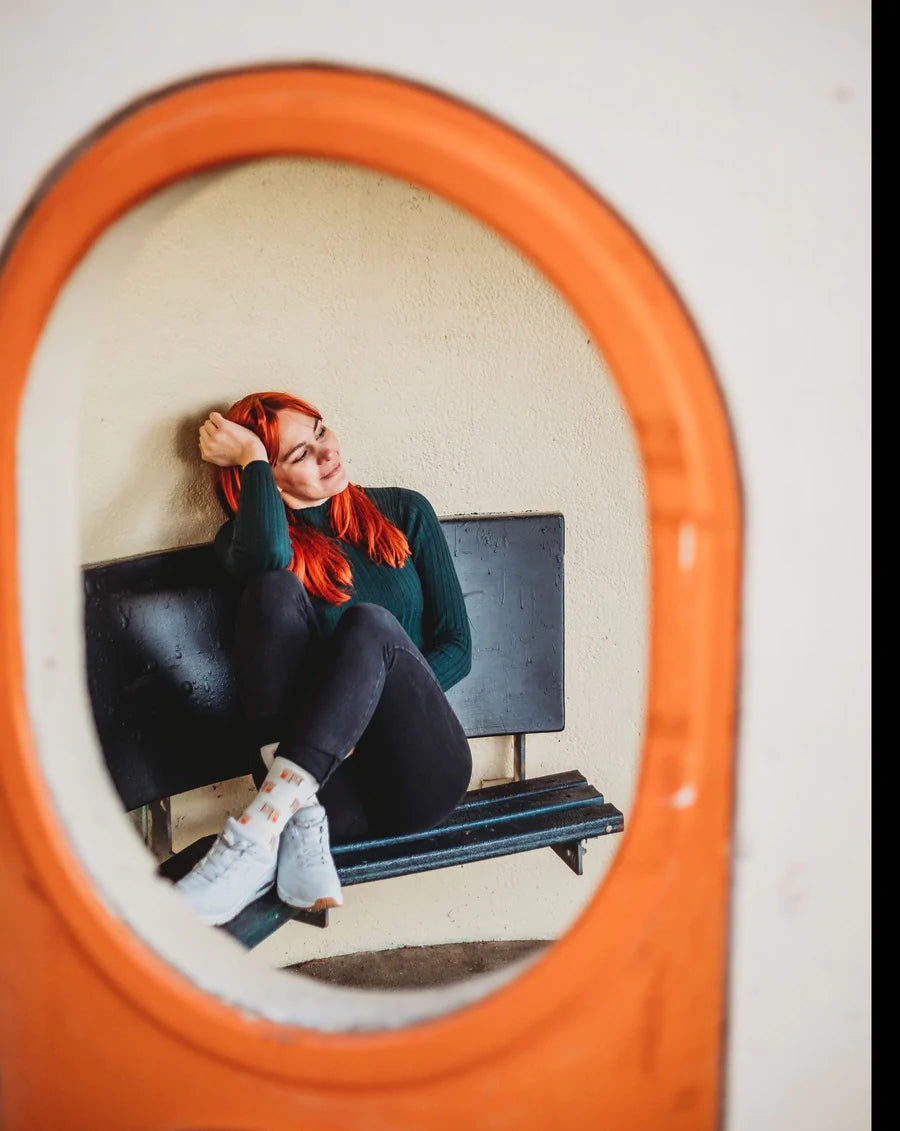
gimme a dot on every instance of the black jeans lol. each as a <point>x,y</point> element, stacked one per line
<point>367,686</point>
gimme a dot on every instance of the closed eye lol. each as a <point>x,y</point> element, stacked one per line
<point>320,435</point>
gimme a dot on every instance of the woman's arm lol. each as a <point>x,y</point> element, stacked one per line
<point>256,539</point>
<point>445,624</point>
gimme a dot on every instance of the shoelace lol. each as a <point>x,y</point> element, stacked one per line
<point>312,848</point>
<point>224,856</point>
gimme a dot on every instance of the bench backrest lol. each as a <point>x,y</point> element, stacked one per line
<point>158,631</point>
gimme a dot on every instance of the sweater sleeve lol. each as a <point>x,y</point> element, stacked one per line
<point>445,623</point>
<point>256,540</point>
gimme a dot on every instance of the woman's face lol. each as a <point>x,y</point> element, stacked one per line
<point>308,469</point>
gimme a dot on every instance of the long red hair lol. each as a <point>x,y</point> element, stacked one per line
<point>317,561</point>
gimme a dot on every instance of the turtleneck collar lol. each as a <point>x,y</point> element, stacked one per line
<point>317,516</point>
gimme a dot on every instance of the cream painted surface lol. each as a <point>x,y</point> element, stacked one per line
<point>446,363</point>
<point>735,138</point>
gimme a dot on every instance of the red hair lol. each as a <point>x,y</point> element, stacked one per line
<point>317,561</point>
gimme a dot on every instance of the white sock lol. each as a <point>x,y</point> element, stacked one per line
<point>268,752</point>
<point>286,789</point>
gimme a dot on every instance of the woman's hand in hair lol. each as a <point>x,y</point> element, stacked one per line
<point>227,444</point>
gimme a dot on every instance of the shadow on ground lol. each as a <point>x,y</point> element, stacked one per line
<point>417,967</point>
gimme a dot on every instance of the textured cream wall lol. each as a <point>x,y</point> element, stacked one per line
<point>446,363</point>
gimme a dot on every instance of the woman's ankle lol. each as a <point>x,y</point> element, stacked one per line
<point>287,787</point>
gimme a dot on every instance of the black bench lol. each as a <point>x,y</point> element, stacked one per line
<point>157,631</point>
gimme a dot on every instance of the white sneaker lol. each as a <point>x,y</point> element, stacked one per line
<point>234,872</point>
<point>307,877</point>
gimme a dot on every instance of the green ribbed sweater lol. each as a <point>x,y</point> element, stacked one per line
<point>424,595</point>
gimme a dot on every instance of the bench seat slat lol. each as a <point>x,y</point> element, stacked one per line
<point>507,809</point>
<point>464,845</point>
<point>261,919</point>
<point>531,786</point>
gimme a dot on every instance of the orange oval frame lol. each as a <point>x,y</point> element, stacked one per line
<point>625,1014</point>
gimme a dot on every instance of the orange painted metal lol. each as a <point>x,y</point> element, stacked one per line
<point>622,1021</point>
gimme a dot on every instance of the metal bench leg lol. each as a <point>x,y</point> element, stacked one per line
<point>159,837</point>
<point>312,918</point>
<point>519,766</point>
<point>154,824</point>
<point>571,853</point>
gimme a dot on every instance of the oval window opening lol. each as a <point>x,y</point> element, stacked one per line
<point>446,364</point>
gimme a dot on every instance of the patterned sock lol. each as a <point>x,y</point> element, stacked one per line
<point>286,789</point>
<point>268,752</point>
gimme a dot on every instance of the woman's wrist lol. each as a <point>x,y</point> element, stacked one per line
<point>252,453</point>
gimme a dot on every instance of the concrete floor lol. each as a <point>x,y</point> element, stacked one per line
<point>417,967</point>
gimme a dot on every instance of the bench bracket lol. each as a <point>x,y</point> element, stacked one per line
<point>571,853</point>
<point>312,918</point>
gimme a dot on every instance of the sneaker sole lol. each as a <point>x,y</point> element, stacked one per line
<point>321,904</point>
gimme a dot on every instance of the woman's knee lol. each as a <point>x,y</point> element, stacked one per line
<point>372,620</point>
<point>271,593</point>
